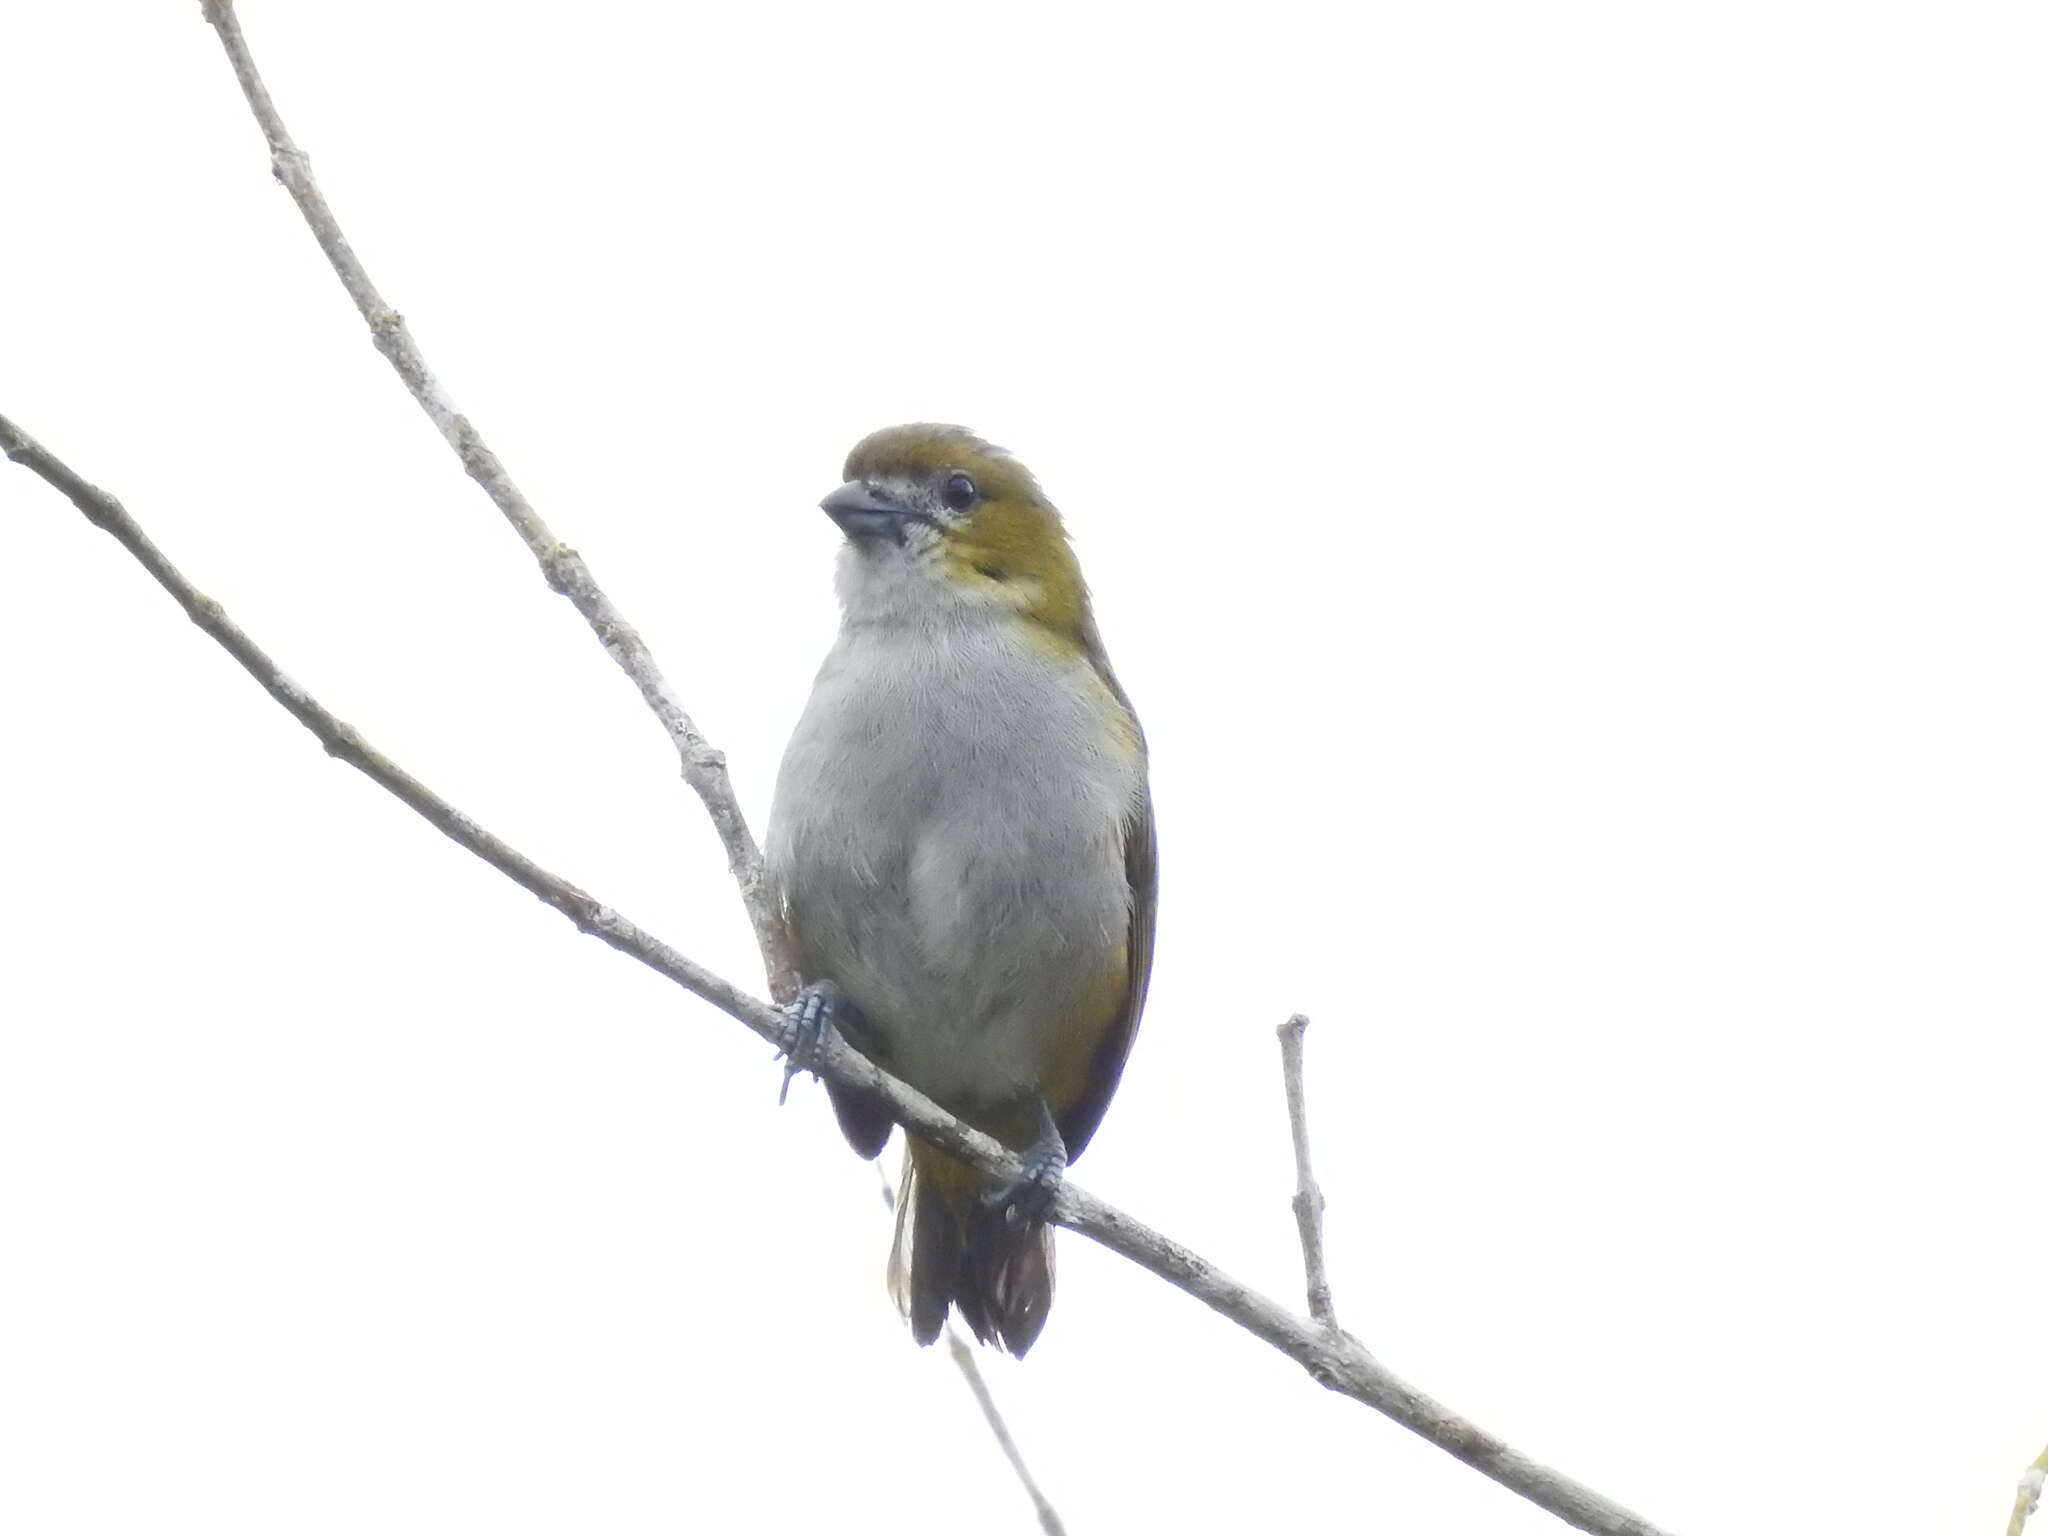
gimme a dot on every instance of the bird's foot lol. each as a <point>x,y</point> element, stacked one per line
<point>1029,1196</point>
<point>820,1008</point>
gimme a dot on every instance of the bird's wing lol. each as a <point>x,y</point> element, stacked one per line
<point>1141,869</point>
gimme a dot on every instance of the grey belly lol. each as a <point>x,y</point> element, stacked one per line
<point>958,872</point>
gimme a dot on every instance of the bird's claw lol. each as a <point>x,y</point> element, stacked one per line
<point>806,1022</point>
<point>1030,1195</point>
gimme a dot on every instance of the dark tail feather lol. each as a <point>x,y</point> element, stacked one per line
<point>1007,1271</point>
<point>1000,1277</point>
<point>926,1253</point>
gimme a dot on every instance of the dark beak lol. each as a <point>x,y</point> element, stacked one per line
<point>865,513</point>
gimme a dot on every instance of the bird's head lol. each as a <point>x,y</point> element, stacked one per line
<point>936,520</point>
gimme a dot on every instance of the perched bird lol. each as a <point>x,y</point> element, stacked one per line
<point>962,831</point>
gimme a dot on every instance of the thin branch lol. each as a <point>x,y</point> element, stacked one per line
<point>963,1356</point>
<point>1308,1195</point>
<point>2028,1499</point>
<point>963,1360</point>
<point>703,765</point>
<point>1330,1356</point>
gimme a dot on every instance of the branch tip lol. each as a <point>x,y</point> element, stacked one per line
<point>963,1357</point>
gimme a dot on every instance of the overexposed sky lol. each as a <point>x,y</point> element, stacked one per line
<point>1563,485</point>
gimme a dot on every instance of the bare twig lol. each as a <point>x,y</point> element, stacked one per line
<point>1330,1356</point>
<point>963,1359</point>
<point>1048,1517</point>
<point>703,765</point>
<point>1308,1195</point>
<point>2028,1499</point>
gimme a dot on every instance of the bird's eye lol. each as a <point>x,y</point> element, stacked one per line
<point>960,493</point>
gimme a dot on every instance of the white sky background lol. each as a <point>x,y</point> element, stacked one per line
<point>1564,487</point>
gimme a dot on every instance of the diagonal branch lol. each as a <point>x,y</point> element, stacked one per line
<point>963,1357</point>
<point>702,764</point>
<point>1331,1357</point>
<point>1308,1195</point>
<point>2028,1499</point>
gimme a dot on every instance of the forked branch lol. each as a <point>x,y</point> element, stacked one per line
<point>1331,1356</point>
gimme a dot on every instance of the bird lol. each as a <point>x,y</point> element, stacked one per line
<point>963,838</point>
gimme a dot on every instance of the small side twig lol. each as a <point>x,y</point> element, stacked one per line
<point>1308,1195</point>
<point>703,766</point>
<point>963,1358</point>
<point>2028,1499</point>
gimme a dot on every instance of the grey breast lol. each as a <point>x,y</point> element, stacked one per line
<point>947,828</point>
